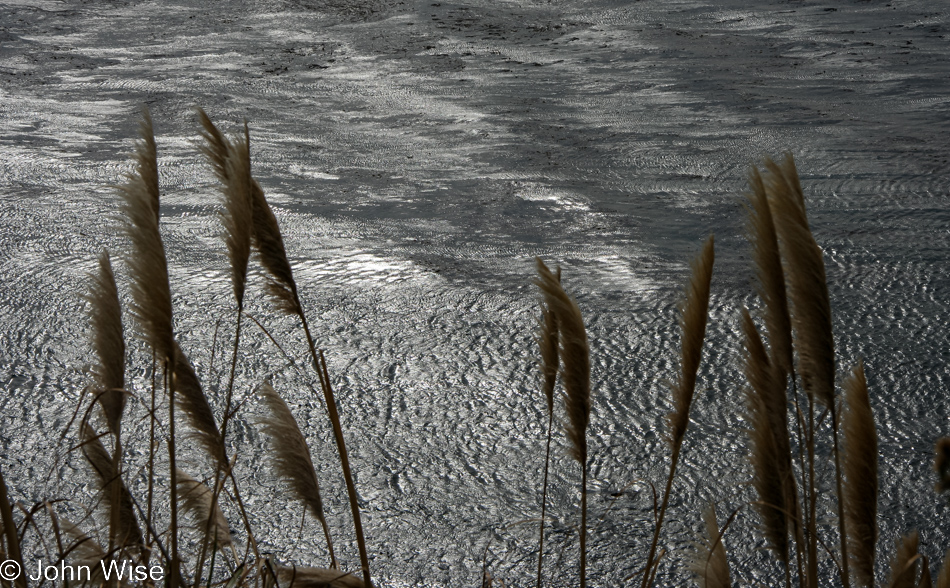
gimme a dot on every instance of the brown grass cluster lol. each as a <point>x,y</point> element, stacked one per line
<point>789,394</point>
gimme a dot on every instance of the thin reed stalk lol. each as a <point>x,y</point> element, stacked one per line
<point>10,531</point>
<point>548,345</point>
<point>693,324</point>
<point>574,353</point>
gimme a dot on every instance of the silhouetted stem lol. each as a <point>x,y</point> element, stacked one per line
<point>544,494</point>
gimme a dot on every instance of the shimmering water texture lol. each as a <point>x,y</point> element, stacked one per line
<point>418,156</point>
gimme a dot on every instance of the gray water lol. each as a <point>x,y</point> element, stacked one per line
<point>418,156</point>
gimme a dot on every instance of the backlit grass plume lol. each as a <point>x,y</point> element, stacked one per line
<point>193,402</point>
<point>771,278</point>
<point>231,162</point>
<point>198,502</point>
<point>121,511</point>
<point>811,322</point>
<point>808,289</point>
<point>708,563</point>
<point>693,324</point>
<point>106,320</point>
<point>695,311</point>
<point>860,476</point>
<point>151,296</point>
<point>292,460</point>
<point>768,440</point>
<point>574,352</point>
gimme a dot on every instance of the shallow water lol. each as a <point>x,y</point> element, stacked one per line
<point>419,155</point>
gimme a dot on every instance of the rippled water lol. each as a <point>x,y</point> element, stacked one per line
<point>418,156</point>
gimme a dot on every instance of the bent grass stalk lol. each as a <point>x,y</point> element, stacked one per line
<point>693,324</point>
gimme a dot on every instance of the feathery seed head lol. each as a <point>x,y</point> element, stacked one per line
<point>693,323</point>
<point>106,319</point>
<point>575,357</point>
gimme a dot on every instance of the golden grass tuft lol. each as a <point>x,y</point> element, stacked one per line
<point>860,476</point>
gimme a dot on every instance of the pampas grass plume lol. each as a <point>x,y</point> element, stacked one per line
<point>292,460</point>
<point>768,437</point>
<point>198,501</point>
<point>575,357</point>
<point>127,531</point>
<point>768,264</point>
<point>193,402</point>
<point>151,307</point>
<point>860,476</point>
<point>107,341</point>
<point>693,323</point>
<point>808,289</point>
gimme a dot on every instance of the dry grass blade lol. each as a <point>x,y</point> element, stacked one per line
<point>808,289</point>
<point>708,563</point>
<point>860,476</point>
<point>768,264</point>
<point>317,578</point>
<point>943,580</point>
<point>693,323</point>
<point>575,357</point>
<point>192,400</point>
<point>270,246</point>
<point>199,503</point>
<point>127,532</point>
<point>106,319</point>
<point>151,307</point>
<point>768,437</point>
<point>905,563</point>
<point>292,460</point>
